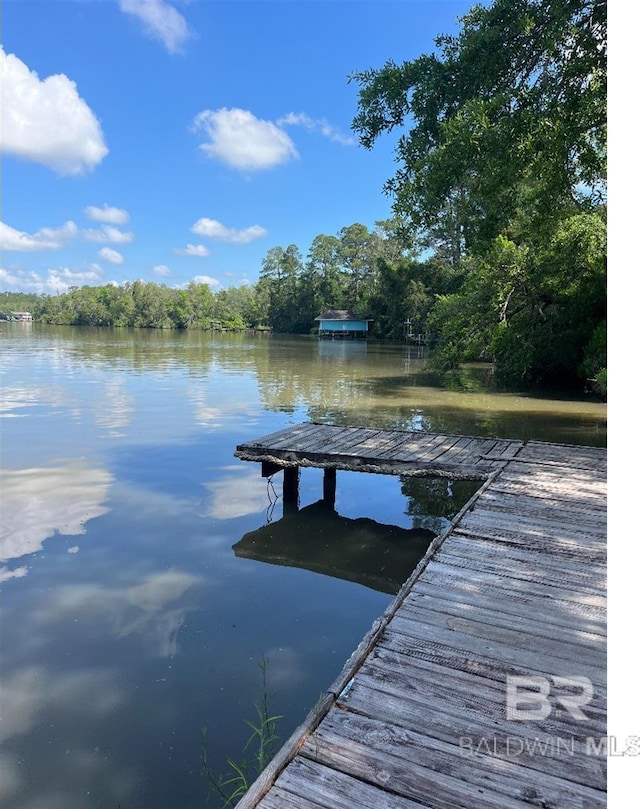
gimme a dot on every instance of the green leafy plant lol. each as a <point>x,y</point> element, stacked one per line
<point>258,750</point>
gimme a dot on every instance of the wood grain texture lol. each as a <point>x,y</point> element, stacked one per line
<point>516,587</point>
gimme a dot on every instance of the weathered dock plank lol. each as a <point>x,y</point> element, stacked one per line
<point>383,451</point>
<point>366,746</point>
<point>516,587</point>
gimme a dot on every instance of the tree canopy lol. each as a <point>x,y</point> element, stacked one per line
<point>513,107</point>
<point>502,176</point>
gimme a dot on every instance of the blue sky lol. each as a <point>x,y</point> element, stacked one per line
<point>169,140</point>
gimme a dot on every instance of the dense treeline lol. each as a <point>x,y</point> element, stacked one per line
<point>143,304</point>
<point>371,273</point>
<point>497,247</point>
<point>502,168</point>
<point>537,311</point>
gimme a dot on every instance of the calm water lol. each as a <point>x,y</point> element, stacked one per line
<point>146,571</point>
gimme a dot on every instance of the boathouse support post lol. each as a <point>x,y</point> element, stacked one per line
<point>329,488</point>
<point>290,490</point>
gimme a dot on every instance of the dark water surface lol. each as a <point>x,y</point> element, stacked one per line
<point>145,571</point>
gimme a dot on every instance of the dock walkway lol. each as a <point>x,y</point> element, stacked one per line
<point>483,685</point>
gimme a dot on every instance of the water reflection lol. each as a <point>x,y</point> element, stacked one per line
<point>344,382</point>
<point>38,503</point>
<point>238,493</point>
<point>38,698</point>
<point>342,350</point>
<point>138,621</point>
<point>318,539</point>
<point>148,611</point>
<point>114,406</point>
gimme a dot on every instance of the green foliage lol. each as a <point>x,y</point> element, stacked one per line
<point>145,305</point>
<point>502,167</point>
<point>260,748</point>
<point>537,311</point>
<point>594,365</point>
<point>519,96</point>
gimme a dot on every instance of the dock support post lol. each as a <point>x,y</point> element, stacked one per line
<point>290,493</point>
<point>329,488</point>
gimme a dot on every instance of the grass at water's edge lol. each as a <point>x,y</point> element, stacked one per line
<point>259,749</point>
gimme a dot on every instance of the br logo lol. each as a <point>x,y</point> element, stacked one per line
<point>529,697</point>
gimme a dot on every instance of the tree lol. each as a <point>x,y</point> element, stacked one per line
<point>357,253</point>
<point>517,99</point>
<point>279,274</point>
<point>323,273</point>
<point>538,311</point>
<point>502,169</point>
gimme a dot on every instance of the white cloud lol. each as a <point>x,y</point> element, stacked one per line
<point>111,255</point>
<point>162,270</point>
<point>108,214</point>
<point>242,141</point>
<point>320,125</point>
<point>206,279</point>
<point>53,283</point>
<point>160,20</point>
<point>107,233</point>
<point>43,239</point>
<point>61,280</point>
<point>46,121</point>
<point>193,250</point>
<point>216,230</point>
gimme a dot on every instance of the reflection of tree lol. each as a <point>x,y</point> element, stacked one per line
<point>435,501</point>
<point>365,383</point>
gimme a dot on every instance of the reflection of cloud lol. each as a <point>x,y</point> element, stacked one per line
<point>13,397</point>
<point>285,668</point>
<point>27,692</point>
<point>11,777</point>
<point>16,573</point>
<point>114,405</point>
<point>37,503</point>
<point>237,496</point>
<point>147,610</point>
<point>214,415</point>
<point>35,699</point>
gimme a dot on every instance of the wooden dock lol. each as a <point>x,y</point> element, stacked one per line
<point>484,683</point>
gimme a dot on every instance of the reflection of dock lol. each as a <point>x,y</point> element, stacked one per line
<point>317,538</point>
<point>431,711</point>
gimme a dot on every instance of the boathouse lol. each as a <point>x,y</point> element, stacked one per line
<point>340,323</point>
